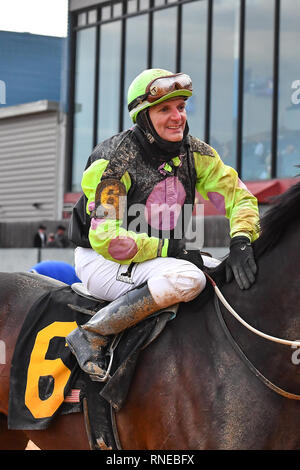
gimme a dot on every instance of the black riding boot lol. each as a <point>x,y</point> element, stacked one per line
<point>86,342</point>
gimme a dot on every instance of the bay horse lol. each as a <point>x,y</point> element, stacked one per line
<point>191,389</point>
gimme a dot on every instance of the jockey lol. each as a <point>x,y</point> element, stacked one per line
<point>153,169</point>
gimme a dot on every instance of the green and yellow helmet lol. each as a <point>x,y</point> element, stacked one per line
<point>153,86</point>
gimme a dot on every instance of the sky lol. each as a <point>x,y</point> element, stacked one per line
<point>46,17</point>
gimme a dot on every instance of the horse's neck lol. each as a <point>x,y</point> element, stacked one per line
<point>272,306</point>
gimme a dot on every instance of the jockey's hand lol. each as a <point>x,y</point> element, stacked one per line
<point>176,250</point>
<point>193,256</point>
<point>240,262</point>
<point>175,247</point>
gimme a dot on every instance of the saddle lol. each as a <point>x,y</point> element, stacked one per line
<point>162,316</point>
<point>46,379</point>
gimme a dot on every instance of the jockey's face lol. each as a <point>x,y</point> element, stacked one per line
<point>169,119</point>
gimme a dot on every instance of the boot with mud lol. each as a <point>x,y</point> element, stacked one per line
<point>89,350</point>
<point>88,341</point>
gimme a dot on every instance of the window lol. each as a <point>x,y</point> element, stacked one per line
<point>224,86</point>
<point>84,102</point>
<point>109,80</point>
<point>81,19</point>
<point>106,13</point>
<point>135,56</point>
<point>144,4</point>
<point>193,61</point>
<point>258,90</point>
<point>131,6</point>
<point>117,10</point>
<point>289,91</point>
<point>92,16</point>
<point>164,39</point>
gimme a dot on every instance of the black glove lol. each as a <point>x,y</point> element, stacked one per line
<point>193,256</point>
<point>240,262</point>
<point>176,250</point>
<point>175,247</point>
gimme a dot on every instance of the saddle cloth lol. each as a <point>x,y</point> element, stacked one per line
<point>44,371</point>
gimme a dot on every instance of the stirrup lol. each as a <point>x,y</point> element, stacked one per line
<point>112,347</point>
<point>98,378</point>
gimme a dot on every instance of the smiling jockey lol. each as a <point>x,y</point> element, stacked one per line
<point>152,170</point>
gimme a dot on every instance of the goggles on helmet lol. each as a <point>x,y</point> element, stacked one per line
<point>162,86</point>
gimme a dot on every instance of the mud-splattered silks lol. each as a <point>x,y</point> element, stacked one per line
<point>158,196</point>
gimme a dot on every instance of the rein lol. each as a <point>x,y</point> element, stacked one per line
<point>241,354</point>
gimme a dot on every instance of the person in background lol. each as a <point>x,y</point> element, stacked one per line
<point>61,238</point>
<point>51,243</point>
<point>58,270</point>
<point>40,238</point>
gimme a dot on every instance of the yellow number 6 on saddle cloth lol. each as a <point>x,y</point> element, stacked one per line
<point>39,366</point>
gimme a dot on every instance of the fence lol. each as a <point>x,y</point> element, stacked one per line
<point>22,259</point>
<point>16,240</point>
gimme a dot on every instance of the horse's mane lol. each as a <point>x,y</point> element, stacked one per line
<point>278,219</point>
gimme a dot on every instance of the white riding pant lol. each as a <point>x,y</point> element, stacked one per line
<point>170,280</point>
